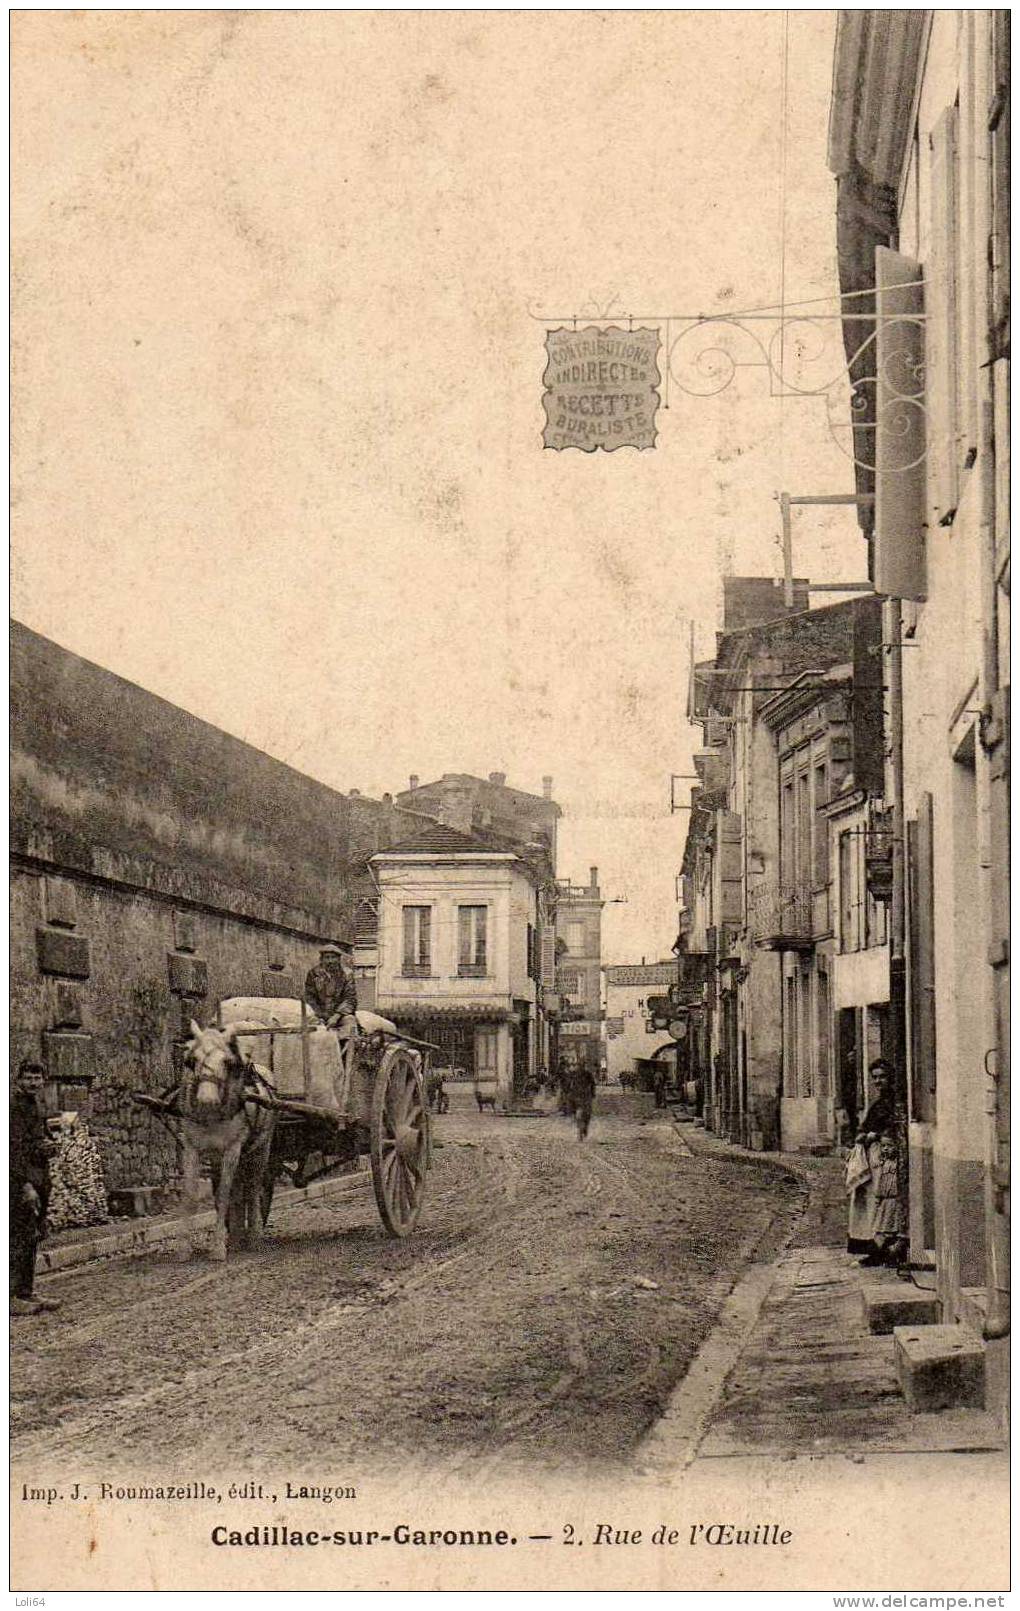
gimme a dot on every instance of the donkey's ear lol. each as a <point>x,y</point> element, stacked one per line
<point>195,1030</point>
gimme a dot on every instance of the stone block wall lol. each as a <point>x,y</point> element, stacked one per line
<point>157,866</point>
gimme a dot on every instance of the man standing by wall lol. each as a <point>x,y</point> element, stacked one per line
<point>30,1153</point>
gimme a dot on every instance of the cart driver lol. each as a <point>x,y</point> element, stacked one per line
<point>331,993</point>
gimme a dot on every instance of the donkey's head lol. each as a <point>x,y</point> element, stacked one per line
<point>215,1069</point>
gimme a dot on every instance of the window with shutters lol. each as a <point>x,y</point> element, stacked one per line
<point>548,949</point>
<point>731,867</point>
<point>472,924</point>
<point>876,922</point>
<point>787,834</point>
<point>821,828</point>
<point>417,941</point>
<point>848,926</point>
<point>803,850</point>
<point>575,939</point>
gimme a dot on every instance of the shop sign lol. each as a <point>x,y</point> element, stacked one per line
<point>601,388</point>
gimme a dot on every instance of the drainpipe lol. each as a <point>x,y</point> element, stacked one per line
<point>892,626</point>
<point>997,1319</point>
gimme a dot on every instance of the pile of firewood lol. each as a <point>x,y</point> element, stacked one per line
<point>78,1191</point>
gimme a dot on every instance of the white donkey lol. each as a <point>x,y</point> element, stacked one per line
<point>220,1123</point>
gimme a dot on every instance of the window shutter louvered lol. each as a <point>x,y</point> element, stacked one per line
<point>731,866</point>
<point>899,563</point>
<point>549,957</point>
<point>409,956</point>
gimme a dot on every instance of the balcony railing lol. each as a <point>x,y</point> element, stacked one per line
<point>779,916</point>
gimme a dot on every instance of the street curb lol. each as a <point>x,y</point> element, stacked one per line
<point>672,1444</point>
<point>137,1237</point>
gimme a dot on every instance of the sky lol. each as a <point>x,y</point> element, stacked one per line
<point>277,383</point>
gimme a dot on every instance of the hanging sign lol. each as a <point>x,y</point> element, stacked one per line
<point>601,388</point>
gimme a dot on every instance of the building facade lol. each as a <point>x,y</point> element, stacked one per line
<point>579,971</point>
<point>791,734</point>
<point>919,141</point>
<point>458,959</point>
<point>634,990</point>
<point>491,809</point>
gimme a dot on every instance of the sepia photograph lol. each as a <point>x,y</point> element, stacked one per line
<point>509,802</point>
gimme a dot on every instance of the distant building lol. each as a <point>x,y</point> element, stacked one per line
<point>490,806</point>
<point>491,809</point>
<point>791,777</point>
<point>579,969</point>
<point>631,990</point>
<point>458,953</point>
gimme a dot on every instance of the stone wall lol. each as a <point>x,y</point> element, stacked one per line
<point>157,866</point>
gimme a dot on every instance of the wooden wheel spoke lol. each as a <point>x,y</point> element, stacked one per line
<point>400,1150</point>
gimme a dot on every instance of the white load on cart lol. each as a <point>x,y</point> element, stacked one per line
<point>304,1060</point>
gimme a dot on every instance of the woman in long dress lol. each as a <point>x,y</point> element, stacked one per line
<point>874,1224</point>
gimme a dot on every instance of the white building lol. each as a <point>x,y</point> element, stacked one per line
<point>458,956</point>
<point>919,140</point>
<point>630,1032</point>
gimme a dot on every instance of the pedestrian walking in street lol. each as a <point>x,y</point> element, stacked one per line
<point>577,1084</point>
<point>30,1152</point>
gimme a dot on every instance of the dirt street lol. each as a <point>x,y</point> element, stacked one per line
<point>552,1296</point>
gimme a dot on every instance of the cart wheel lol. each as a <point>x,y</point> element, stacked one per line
<point>399,1142</point>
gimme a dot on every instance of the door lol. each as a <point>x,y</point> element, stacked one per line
<point>847,1071</point>
<point>486,1053</point>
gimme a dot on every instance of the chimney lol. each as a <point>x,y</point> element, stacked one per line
<point>354,793</point>
<point>412,781</point>
<point>593,878</point>
<point>454,809</point>
<point>499,778</point>
<point>384,833</point>
<point>547,786</point>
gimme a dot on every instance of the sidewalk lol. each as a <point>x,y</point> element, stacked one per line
<point>791,1368</point>
<point>65,1250</point>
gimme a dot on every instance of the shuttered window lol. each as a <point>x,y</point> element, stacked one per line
<point>820,872</point>
<point>472,924</point>
<point>417,939</point>
<point>730,867</point>
<point>548,956</point>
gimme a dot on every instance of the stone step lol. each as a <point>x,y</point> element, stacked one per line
<point>887,1306</point>
<point>939,1367</point>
